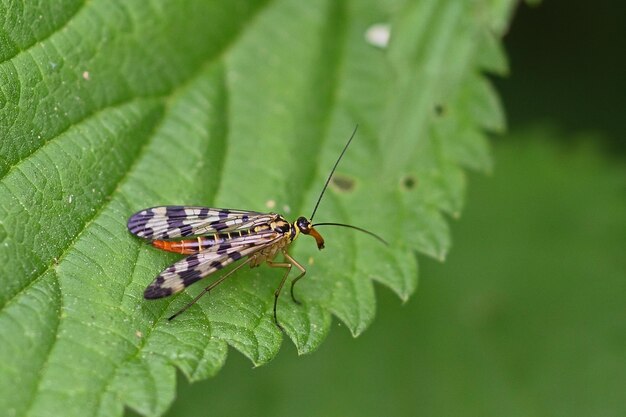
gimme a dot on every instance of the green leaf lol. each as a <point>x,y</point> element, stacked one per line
<point>110,107</point>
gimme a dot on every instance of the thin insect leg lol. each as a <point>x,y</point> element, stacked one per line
<point>209,288</point>
<point>296,279</point>
<point>280,286</point>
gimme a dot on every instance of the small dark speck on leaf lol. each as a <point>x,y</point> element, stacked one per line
<point>408,182</point>
<point>343,183</point>
<point>439,109</point>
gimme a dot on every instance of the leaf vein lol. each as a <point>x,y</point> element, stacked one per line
<point>47,36</point>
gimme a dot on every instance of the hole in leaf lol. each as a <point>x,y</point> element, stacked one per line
<point>409,182</point>
<point>343,183</point>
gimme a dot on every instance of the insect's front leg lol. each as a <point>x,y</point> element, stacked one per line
<point>296,279</point>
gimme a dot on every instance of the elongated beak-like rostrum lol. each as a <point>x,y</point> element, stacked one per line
<point>318,238</point>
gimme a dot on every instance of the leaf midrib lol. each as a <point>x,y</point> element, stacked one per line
<point>168,99</point>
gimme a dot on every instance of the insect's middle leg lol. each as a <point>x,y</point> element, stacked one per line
<point>288,266</point>
<point>296,279</point>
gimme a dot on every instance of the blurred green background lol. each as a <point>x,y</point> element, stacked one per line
<point>527,316</point>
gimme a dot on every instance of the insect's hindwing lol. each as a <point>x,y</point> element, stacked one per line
<point>194,267</point>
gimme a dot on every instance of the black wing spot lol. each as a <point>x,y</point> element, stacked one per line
<point>217,265</point>
<point>138,221</point>
<point>219,225</point>
<point>191,276</point>
<point>234,256</point>
<point>186,230</point>
<point>192,262</point>
<point>223,248</point>
<point>175,211</point>
<point>175,216</point>
<point>155,291</point>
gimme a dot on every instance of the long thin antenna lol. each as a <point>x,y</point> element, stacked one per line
<point>374,235</point>
<point>332,172</point>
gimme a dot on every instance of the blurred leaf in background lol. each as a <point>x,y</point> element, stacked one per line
<point>525,318</point>
<point>565,71</point>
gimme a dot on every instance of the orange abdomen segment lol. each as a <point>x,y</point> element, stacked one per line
<point>185,247</point>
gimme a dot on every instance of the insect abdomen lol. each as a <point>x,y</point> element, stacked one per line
<point>187,247</point>
<point>190,246</point>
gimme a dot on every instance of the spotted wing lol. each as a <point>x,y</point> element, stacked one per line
<point>172,222</point>
<point>194,267</point>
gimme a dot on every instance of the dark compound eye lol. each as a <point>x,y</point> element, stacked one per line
<point>303,224</point>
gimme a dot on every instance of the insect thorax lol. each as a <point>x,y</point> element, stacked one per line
<point>283,228</point>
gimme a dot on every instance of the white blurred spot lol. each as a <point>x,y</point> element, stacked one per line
<point>70,198</point>
<point>378,35</point>
<point>86,75</point>
<point>286,209</point>
<point>270,204</point>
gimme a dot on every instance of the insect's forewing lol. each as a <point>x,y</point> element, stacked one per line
<point>172,222</point>
<point>194,267</point>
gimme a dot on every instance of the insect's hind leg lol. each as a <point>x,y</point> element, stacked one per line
<point>296,279</point>
<point>207,289</point>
